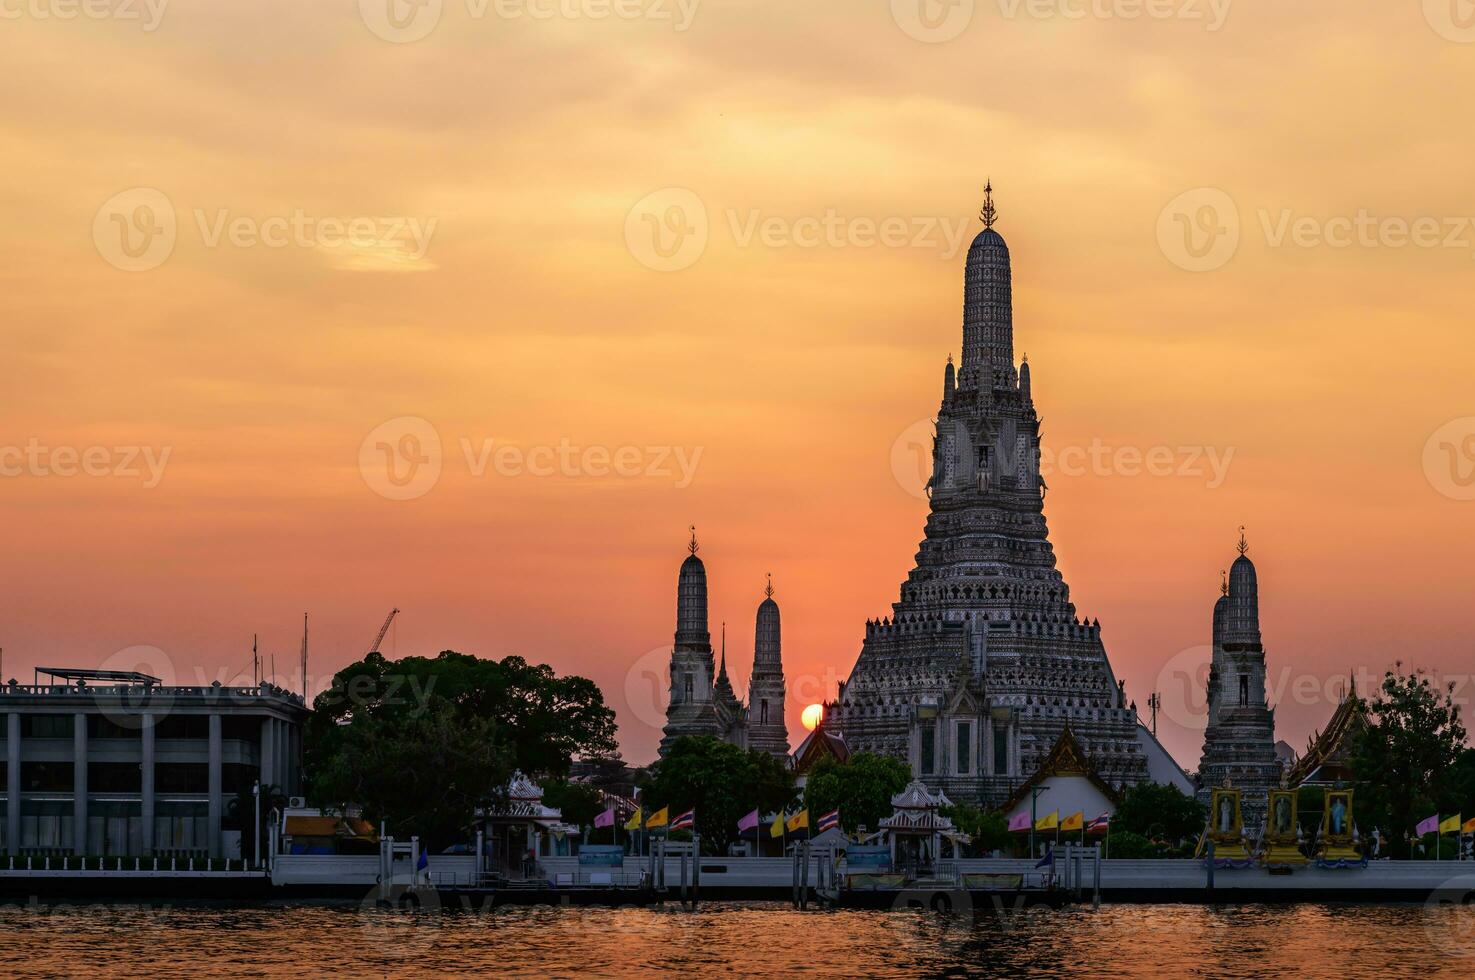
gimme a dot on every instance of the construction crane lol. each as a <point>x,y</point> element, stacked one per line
<point>383,629</point>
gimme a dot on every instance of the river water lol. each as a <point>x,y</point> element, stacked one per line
<point>769,940</point>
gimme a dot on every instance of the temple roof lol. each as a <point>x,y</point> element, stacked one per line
<point>918,797</point>
<point>1066,758</point>
<point>1332,748</point>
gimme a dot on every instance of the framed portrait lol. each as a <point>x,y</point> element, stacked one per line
<point>1224,816</point>
<point>1281,818</point>
<point>1336,818</point>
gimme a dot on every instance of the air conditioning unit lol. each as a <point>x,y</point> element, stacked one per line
<point>297,802</point>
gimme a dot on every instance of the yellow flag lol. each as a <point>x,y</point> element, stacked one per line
<point>634,822</point>
<point>659,818</point>
<point>1469,827</point>
<point>777,830</point>
<point>799,821</point>
<point>1450,826</point>
<point>1050,822</point>
<point>1076,821</point>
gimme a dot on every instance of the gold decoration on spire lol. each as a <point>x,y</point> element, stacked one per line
<point>768,589</point>
<point>1223,582</point>
<point>1243,545</point>
<point>693,546</point>
<point>989,214</point>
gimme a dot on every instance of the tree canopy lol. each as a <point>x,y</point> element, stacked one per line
<point>422,742</point>
<point>1159,812</point>
<point>1408,761</point>
<point>861,788</point>
<point>721,782</point>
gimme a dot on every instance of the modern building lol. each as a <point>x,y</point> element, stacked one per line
<point>984,660</point>
<point>1239,742</point>
<point>703,704</point>
<point>114,763</point>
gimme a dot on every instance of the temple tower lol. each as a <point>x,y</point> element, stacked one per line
<point>766,727</point>
<point>984,660</point>
<point>692,707</point>
<point>1239,741</point>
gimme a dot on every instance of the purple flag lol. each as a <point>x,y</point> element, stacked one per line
<point>605,819</point>
<point>1430,826</point>
<point>750,822</point>
<point>1020,821</point>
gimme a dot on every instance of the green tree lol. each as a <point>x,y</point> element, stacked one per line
<point>721,782</point>
<point>422,742</point>
<point>861,788</point>
<point>424,774</point>
<point>579,803</point>
<point>1408,758</point>
<point>1128,845</point>
<point>988,828</point>
<point>1159,812</point>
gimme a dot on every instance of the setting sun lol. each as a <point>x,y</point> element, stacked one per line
<point>812,716</point>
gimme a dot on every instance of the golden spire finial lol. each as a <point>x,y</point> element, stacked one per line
<point>1223,582</point>
<point>1243,544</point>
<point>768,589</point>
<point>989,214</point>
<point>693,546</point>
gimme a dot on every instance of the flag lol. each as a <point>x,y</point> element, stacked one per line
<point>1469,827</point>
<point>799,821</point>
<point>1430,826</point>
<point>777,829</point>
<point>750,822</point>
<point>684,821</point>
<point>424,863</point>
<point>1076,821</point>
<point>605,819</point>
<point>1019,822</point>
<point>1100,825</point>
<point>829,821</point>
<point>1050,822</point>
<point>1451,825</point>
<point>658,819</point>
<point>1048,859</point>
<point>634,822</point>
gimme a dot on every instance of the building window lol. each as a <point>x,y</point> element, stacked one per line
<point>46,726</point>
<point>1001,750</point>
<point>114,777</point>
<point>763,712</point>
<point>46,777</point>
<point>688,687</point>
<point>1244,690</point>
<point>182,777</point>
<point>101,726</point>
<point>928,748</point>
<point>183,726</point>
<point>965,748</point>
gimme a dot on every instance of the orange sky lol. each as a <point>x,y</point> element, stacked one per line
<point>535,157</point>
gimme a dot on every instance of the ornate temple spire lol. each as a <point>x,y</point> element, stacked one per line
<point>1243,545</point>
<point>693,547</point>
<point>988,317</point>
<point>988,214</point>
<point>691,600</point>
<point>768,589</point>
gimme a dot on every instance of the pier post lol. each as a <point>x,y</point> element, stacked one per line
<point>1209,863</point>
<point>1096,877</point>
<point>696,868</point>
<point>794,883</point>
